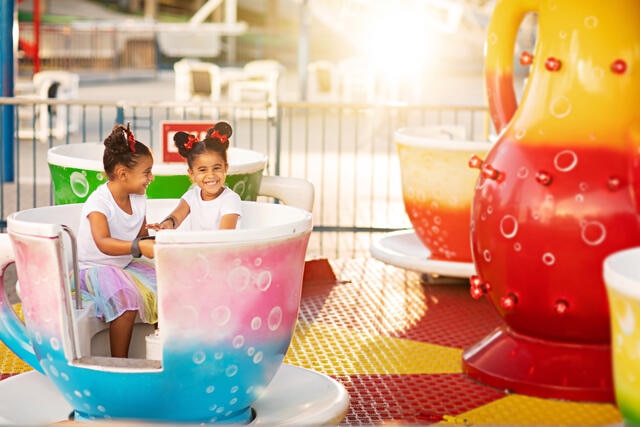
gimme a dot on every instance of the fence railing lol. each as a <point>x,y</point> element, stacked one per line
<point>346,150</point>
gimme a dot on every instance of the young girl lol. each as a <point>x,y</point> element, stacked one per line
<point>112,236</point>
<point>210,204</point>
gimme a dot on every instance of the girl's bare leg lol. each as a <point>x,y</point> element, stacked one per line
<point>120,332</point>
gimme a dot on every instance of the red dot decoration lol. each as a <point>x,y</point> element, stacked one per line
<point>552,64</point>
<point>475,162</point>
<point>490,172</point>
<point>613,183</point>
<point>543,178</point>
<point>561,306</point>
<point>526,58</point>
<point>619,66</point>
<point>508,302</point>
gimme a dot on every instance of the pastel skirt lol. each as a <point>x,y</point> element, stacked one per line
<point>116,290</point>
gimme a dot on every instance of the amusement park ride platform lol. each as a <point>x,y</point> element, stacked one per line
<point>395,340</point>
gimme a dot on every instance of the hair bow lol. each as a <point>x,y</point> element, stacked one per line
<point>222,138</point>
<point>190,141</point>
<point>130,138</point>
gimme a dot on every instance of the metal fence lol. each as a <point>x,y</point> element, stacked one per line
<point>346,150</point>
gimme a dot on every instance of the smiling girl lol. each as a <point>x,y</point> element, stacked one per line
<point>210,204</point>
<point>112,236</point>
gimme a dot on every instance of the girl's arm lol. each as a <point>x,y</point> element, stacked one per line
<point>229,221</point>
<point>102,236</point>
<point>174,219</point>
<point>111,246</point>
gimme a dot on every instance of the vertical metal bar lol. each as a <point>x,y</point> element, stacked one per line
<point>8,47</point>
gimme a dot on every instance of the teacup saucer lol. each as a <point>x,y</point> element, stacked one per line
<point>404,249</point>
<point>296,396</point>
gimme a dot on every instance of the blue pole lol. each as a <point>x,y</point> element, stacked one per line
<point>7,69</point>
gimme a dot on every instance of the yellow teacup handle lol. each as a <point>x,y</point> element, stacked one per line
<point>12,330</point>
<point>295,192</point>
<point>501,39</point>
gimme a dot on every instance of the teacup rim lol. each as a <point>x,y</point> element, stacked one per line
<point>56,156</point>
<point>401,136</point>
<point>618,271</point>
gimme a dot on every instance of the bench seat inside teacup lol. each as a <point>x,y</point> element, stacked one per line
<point>92,333</point>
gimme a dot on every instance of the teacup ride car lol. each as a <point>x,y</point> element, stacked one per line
<point>227,302</point>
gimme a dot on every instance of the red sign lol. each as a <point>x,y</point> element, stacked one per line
<point>198,128</point>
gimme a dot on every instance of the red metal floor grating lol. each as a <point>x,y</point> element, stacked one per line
<point>395,341</point>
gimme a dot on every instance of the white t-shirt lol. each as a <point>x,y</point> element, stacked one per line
<point>121,226</point>
<point>206,214</point>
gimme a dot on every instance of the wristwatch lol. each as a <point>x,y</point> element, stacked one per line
<point>135,245</point>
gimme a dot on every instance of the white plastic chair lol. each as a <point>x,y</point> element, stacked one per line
<point>198,83</point>
<point>322,82</point>
<point>259,86</point>
<point>51,120</point>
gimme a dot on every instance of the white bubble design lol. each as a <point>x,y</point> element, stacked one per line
<point>591,22</point>
<point>239,187</point>
<point>548,258</point>
<point>199,357</point>
<point>218,355</point>
<point>55,344</point>
<point>87,393</point>
<point>64,376</point>
<point>79,184</point>
<point>38,337</point>
<point>238,341</point>
<point>256,323</point>
<point>583,186</point>
<point>257,262</point>
<point>593,232</point>
<point>579,198</point>
<point>520,133</point>
<point>77,393</point>
<point>486,254</point>
<point>560,107</point>
<point>258,357</point>
<point>231,371</point>
<point>53,371</point>
<point>234,389</point>
<point>517,247</point>
<point>508,226</point>
<point>565,161</point>
<point>251,351</point>
<point>263,280</point>
<point>233,401</point>
<point>274,319</point>
<point>221,315</point>
<point>210,389</point>
<point>627,321</point>
<point>239,278</point>
<point>101,408</point>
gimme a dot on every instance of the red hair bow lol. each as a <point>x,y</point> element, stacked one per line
<point>190,141</point>
<point>222,138</point>
<point>132,141</point>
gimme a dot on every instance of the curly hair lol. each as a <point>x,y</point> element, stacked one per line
<point>121,148</point>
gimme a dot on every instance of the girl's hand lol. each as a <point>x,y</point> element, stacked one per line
<point>146,247</point>
<point>168,223</point>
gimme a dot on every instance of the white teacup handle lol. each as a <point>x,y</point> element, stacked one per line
<point>12,330</point>
<point>295,192</point>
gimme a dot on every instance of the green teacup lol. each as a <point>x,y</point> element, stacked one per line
<point>76,171</point>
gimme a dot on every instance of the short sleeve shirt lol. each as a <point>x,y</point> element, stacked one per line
<point>121,226</point>
<point>206,214</point>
